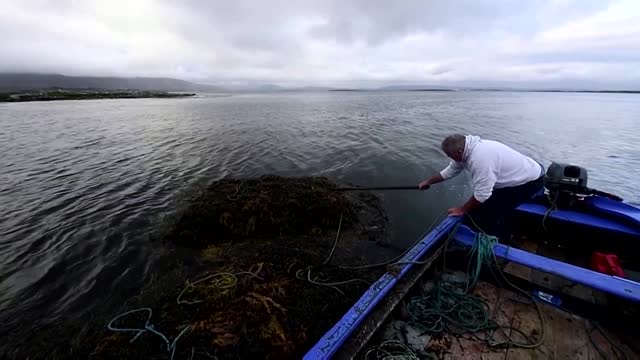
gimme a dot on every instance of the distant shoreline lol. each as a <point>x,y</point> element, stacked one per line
<point>59,95</point>
<point>92,94</point>
<point>490,90</point>
<point>583,91</point>
<point>499,90</point>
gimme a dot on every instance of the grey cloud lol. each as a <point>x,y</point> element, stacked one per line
<point>258,26</point>
<point>584,56</point>
<point>376,21</point>
<point>318,41</point>
<point>442,69</point>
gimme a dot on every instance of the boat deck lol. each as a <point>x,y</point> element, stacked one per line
<point>566,336</point>
<point>590,316</point>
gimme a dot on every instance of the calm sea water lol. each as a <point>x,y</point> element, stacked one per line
<point>82,183</point>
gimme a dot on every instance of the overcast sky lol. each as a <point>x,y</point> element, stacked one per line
<point>328,42</point>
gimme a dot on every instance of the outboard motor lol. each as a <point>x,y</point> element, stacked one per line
<point>566,183</point>
<point>565,177</point>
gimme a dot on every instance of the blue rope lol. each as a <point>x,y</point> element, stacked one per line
<point>148,327</point>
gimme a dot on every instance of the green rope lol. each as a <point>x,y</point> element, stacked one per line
<point>444,308</point>
<point>326,261</point>
<point>391,350</point>
<point>300,276</point>
<point>221,281</point>
<point>615,348</point>
<point>481,253</point>
<point>447,308</point>
<point>553,206</point>
<point>396,259</point>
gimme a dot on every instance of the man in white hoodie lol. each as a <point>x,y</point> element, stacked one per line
<point>502,179</point>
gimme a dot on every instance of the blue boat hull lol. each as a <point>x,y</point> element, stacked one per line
<point>593,213</point>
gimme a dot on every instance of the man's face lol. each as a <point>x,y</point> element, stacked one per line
<point>456,155</point>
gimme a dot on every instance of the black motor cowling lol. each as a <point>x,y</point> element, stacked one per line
<point>566,178</point>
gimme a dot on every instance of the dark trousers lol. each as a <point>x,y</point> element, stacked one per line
<point>491,215</point>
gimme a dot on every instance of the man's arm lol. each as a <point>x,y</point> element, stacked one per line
<point>484,180</point>
<point>437,178</point>
<point>471,204</point>
<point>450,171</point>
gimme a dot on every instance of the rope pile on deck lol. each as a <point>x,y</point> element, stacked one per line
<point>449,307</point>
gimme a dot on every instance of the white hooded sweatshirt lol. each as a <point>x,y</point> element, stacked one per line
<point>492,165</point>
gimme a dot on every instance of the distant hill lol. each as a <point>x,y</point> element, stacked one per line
<point>276,88</point>
<point>267,88</point>
<point>17,81</point>
<point>417,88</point>
<point>548,86</point>
<point>507,89</point>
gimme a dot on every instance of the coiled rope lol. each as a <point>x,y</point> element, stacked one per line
<point>221,281</point>
<point>391,350</point>
<point>171,346</point>
<point>447,308</point>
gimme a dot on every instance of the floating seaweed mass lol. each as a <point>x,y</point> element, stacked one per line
<point>238,210</point>
<point>253,238</point>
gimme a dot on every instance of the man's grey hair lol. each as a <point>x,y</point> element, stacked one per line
<point>453,143</point>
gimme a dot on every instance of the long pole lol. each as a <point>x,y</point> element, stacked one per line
<point>411,187</point>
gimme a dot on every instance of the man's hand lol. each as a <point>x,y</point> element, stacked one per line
<point>437,178</point>
<point>424,185</point>
<point>456,211</point>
